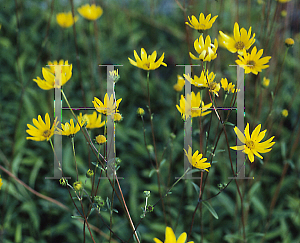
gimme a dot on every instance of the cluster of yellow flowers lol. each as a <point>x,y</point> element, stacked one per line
<point>239,43</point>
<point>90,12</point>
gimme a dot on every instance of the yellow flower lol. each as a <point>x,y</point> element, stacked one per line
<point>89,173</point>
<point>68,129</point>
<point>118,117</point>
<point>266,82</point>
<point>140,111</point>
<point>1,183</point>
<point>108,107</point>
<point>196,160</point>
<point>100,139</point>
<point>90,12</point>
<point>229,87</point>
<point>252,62</point>
<point>205,81</point>
<point>206,50</point>
<point>289,42</point>
<point>147,62</point>
<point>43,130</point>
<point>93,121</point>
<point>180,83</point>
<point>203,23</point>
<point>283,1</point>
<point>49,75</point>
<point>241,40</point>
<point>77,185</point>
<point>171,238</point>
<point>197,106</point>
<point>252,145</point>
<point>285,112</point>
<point>66,20</point>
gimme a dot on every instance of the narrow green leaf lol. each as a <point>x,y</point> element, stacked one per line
<point>211,209</point>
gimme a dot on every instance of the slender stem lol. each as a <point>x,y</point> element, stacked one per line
<point>154,145</point>
<point>73,148</point>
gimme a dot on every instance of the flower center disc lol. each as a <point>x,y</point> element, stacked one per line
<point>239,45</point>
<point>250,144</point>
<point>46,133</point>
<point>251,63</point>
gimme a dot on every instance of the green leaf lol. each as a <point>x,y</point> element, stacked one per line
<point>211,209</point>
<point>76,217</point>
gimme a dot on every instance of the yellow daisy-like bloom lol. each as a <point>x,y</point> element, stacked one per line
<point>147,62</point>
<point>171,238</point>
<point>68,129</point>
<point>180,83</point>
<point>252,145</point>
<point>203,23</point>
<point>206,50</point>
<point>285,112</point>
<point>252,62</point>
<point>197,106</point>
<point>108,107</point>
<point>77,185</point>
<point>90,12</point>
<point>240,41</point>
<point>196,160</point>
<point>229,87</point>
<point>93,120</point>
<point>266,82</point>
<point>66,20</point>
<point>1,183</point>
<point>49,75</point>
<point>205,81</point>
<point>42,130</point>
<point>100,139</point>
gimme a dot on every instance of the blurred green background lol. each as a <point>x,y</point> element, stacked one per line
<point>30,37</point>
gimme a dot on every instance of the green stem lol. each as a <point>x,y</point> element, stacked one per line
<point>154,145</point>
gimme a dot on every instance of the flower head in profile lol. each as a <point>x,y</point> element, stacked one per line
<point>203,23</point>
<point>100,139</point>
<point>266,82</point>
<point>1,183</point>
<point>283,1</point>
<point>289,42</point>
<point>147,62</point>
<point>171,238</point>
<point>205,81</point>
<point>66,20</point>
<point>196,160</point>
<point>77,185</point>
<point>197,107</point>
<point>109,105</point>
<point>252,62</point>
<point>252,144</point>
<point>69,129</point>
<point>93,120</point>
<point>206,50</point>
<point>284,112</point>
<point>49,75</point>
<point>180,83</point>
<point>241,40</point>
<point>140,111</point>
<point>229,87</point>
<point>42,130</point>
<point>90,12</point>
